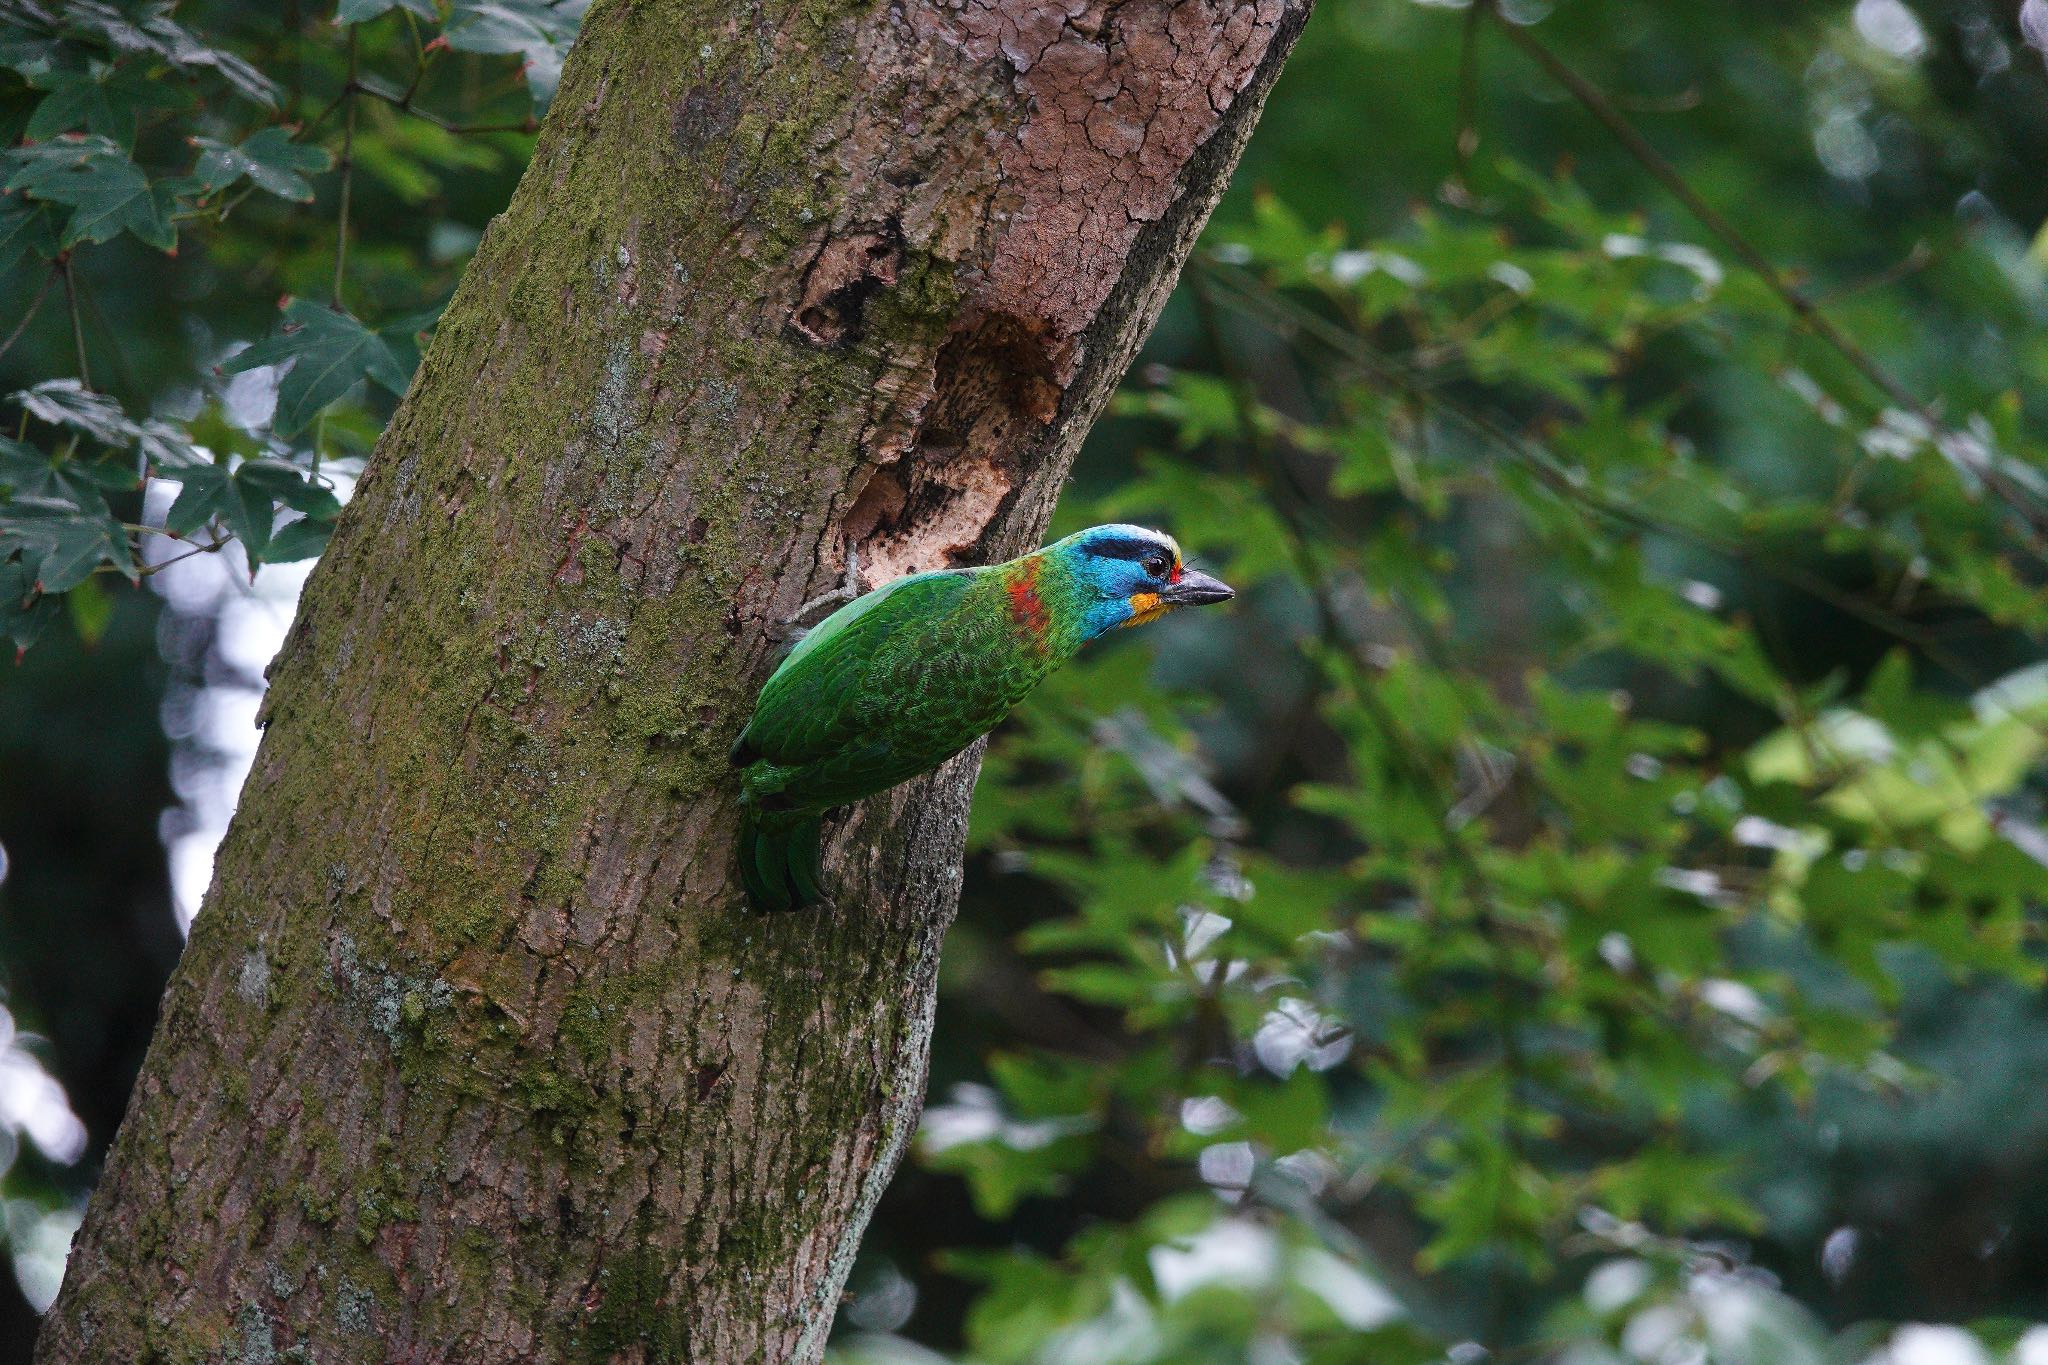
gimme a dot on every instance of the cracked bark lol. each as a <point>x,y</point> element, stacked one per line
<point>476,1054</point>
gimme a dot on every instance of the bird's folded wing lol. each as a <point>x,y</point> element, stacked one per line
<point>818,702</point>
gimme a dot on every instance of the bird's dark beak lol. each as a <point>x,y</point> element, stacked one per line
<point>1196,589</point>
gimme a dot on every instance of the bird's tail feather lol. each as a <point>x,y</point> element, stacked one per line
<point>779,861</point>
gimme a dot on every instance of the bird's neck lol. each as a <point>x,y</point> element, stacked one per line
<point>1046,605</point>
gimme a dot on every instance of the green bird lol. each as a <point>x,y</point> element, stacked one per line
<point>897,681</point>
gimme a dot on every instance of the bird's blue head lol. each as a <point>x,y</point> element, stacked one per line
<point>1123,575</point>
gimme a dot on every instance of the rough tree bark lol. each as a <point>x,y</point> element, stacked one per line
<point>476,1054</point>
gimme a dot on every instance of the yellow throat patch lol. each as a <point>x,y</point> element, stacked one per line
<point>1145,606</point>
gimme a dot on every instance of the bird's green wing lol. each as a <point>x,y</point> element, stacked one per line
<point>810,708</point>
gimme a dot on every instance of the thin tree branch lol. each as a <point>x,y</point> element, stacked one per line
<point>348,166</point>
<point>124,372</point>
<point>1467,144</point>
<point>403,103</point>
<point>1912,263</point>
<point>220,544</point>
<point>423,56</point>
<point>295,87</point>
<point>34,305</point>
<point>77,326</point>
<point>325,110</point>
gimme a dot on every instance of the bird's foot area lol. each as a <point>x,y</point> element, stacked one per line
<point>798,624</point>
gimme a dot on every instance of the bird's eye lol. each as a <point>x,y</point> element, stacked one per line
<point>1154,564</point>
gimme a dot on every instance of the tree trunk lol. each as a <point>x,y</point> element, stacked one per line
<point>476,1053</point>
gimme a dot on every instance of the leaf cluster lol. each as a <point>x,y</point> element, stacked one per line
<point>129,126</point>
<point>1569,866</point>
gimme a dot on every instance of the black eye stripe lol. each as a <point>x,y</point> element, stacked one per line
<point>1128,549</point>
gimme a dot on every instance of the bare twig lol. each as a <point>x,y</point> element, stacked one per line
<point>221,543</point>
<point>77,325</point>
<point>348,166</point>
<point>325,110</point>
<point>295,87</point>
<point>1468,99</point>
<point>1912,263</point>
<point>124,372</point>
<point>403,103</point>
<point>34,305</point>
<point>423,57</point>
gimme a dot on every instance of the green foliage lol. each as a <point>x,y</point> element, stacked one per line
<point>268,157</point>
<point>537,31</point>
<point>361,11</point>
<point>329,353</point>
<point>106,191</point>
<point>130,126</point>
<point>1630,721</point>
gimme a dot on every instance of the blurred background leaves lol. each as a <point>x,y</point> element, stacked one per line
<point>1583,902</point>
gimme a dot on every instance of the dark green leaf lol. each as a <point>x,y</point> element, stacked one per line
<point>211,492</point>
<point>153,32</point>
<point>501,26</point>
<point>25,230</point>
<point>24,613</point>
<point>69,404</point>
<point>166,445</point>
<point>30,55</point>
<point>24,470</point>
<point>359,11</point>
<point>110,100</point>
<point>288,484</point>
<point>108,193</point>
<point>295,540</point>
<point>539,32</point>
<point>245,501</point>
<point>27,472</point>
<point>329,353</point>
<point>61,542</point>
<point>244,79</point>
<point>268,157</point>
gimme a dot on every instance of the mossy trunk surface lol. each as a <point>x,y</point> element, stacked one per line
<point>476,1053</point>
